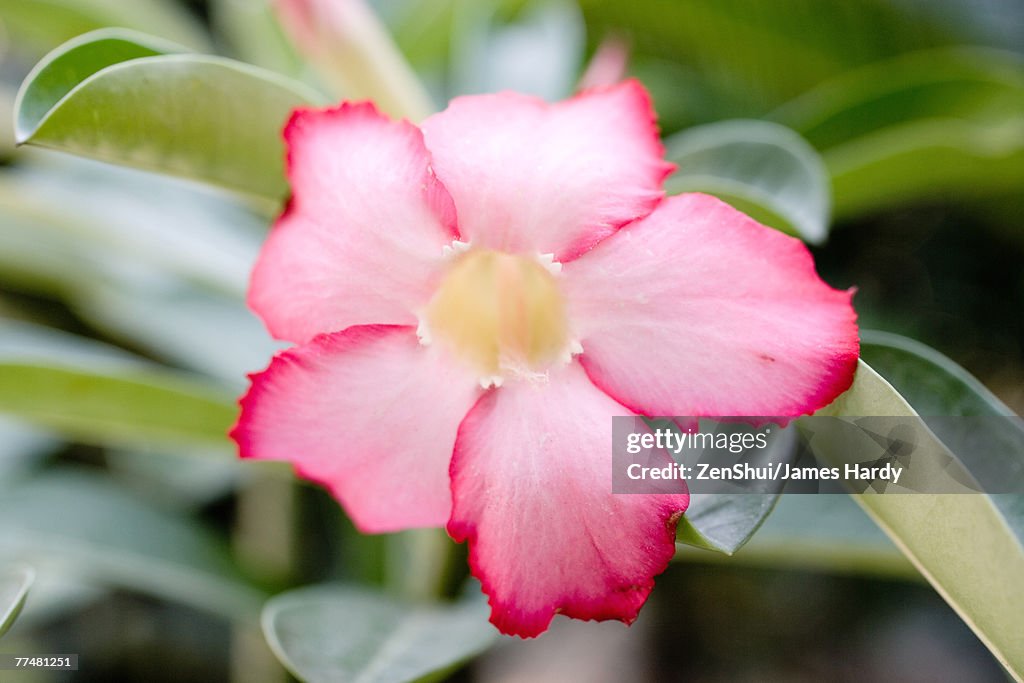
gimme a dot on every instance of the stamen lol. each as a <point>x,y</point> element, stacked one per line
<point>549,262</point>
<point>574,349</point>
<point>423,331</point>
<point>455,248</point>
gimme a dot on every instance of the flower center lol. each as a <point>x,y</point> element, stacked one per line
<point>501,312</point>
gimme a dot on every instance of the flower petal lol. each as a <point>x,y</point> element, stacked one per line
<point>362,239</point>
<point>732,316</point>
<point>527,176</point>
<point>369,413</point>
<point>532,492</point>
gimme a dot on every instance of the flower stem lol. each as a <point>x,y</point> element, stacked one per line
<point>417,563</point>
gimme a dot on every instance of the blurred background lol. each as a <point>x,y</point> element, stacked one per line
<point>154,548</point>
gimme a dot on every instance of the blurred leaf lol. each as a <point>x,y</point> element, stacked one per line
<point>105,400</point>
<point>423,30</point>
<point>960,82</point>
<point>135,255</point>
<point>827,532</point>
<point>6,118</point>
<point>340,633</point>
<point>178,479</point>
<point>932,383</point>
<point>213,335</point>
<point>14,585</point>
<point>927,160</point>
<point>71,223</point>
<point>129,298</point>
<point>79,523</point>
<point>960,542</point>
<point>21,445</point>
<point>745,56</point>
<point>40,25</point>
<point>181,114</point>
<point>918,126</point>
<point>461,46</point>
<point>121,408</point>
<point>761,168</point>
<point>22,341</point>
<point>255,35</point>
<point>935,385</point>
<point>56,595</point>
<point>538,52</point>
<point>989,22</point>
<point>724,522</point>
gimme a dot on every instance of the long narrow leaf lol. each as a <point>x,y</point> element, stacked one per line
<point>962,543</point>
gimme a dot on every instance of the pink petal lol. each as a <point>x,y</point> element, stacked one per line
<point>362,239</point>
<point>700,310</point>
<point>532,177</point>
<point>370,414</point>
<point>531,484</point>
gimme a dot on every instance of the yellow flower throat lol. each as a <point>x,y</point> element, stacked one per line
<point>501,312</point>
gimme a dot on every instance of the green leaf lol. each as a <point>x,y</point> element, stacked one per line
<point>539,52</point>
<point>254,34</point>
<point>38,26</point>
<point>213,335</point>
<point>961,83</point>
<point>103,398</point>
<point>426,32</point>
<point>935,385</point>
<point>724,522</point>
<point>926,160</point>
<point>826,532</point>
<point>22,341</point>
<point>6,118</point>
<point>932,383</point>
<point>918,126</point>
<point>21,445</point>
<point>123,408</point>
<point>761,168</point>
<point>136,256</point>
<point>183,480</point>
<point>83,523</point>
<point>196,116</point>
<point>74,62</point>
<point>961,543</point>
<point>341,633</point>
<point>73,223</point>
<point>741,57</point>
<point>14,585</point>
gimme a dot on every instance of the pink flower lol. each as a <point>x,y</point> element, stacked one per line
<point>474,299</point>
